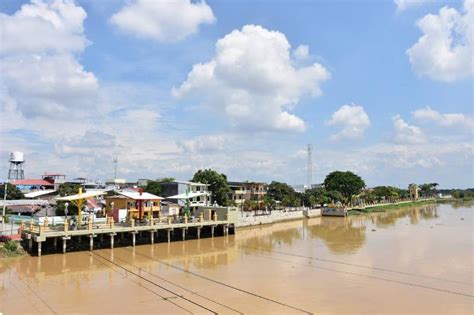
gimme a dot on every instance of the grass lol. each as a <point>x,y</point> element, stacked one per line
<point>388,207</point>
<point>11,249</point>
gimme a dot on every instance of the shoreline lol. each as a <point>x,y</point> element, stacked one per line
<point>389,207</point>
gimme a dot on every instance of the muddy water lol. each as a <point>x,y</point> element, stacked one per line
<point>417,260</point>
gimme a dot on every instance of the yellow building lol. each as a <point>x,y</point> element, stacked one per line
<point>133,201</point>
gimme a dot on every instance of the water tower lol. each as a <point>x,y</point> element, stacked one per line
<point>17,159</point>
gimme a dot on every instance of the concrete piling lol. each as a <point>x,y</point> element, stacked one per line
<point>134,238</point>
<point>152,236</point>
<point>64,244</point>
<point>39,249</point>
<point>91,242</point>
<point>112,240</point>
<point>55,242</point>
<point>184,234</point>
<point>169,235</point>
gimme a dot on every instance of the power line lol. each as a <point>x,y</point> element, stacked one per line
<point>225,284</point>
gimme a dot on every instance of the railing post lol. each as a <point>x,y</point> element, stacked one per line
<point>201,217</point>
<point>66,225</point>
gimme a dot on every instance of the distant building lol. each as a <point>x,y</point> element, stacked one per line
<point>27,185</point>
<point>242,191</point>
<point>54,178</point>
<point>180,192</point>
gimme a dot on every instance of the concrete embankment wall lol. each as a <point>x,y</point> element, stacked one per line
<point>250,219</point>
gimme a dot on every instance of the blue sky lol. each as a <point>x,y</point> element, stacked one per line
<point>380,88</point>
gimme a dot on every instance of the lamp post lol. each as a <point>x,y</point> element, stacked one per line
<point>65,210</point>
<point>4,205</point>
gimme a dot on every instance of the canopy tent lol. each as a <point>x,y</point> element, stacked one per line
<point>79,198</point>
<point>136,195</point>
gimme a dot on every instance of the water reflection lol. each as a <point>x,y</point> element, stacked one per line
<point>338,235</point>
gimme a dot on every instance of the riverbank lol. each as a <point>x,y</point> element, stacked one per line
<point>389,206</point>
<point>10,248</point>
<point>249,219</point>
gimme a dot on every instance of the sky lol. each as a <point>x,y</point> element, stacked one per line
<point>380,88</point>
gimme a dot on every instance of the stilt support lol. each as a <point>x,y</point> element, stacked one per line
<point>199,232</point>
<point>55,242</point>
<point>39,249</point>
<point>134,238</point>
<point>30,243</point>
<point>169,235</point>
<point>152,236</point>
<point>64,244</point>
<point>91,242</point>
<point>112,240</point>
<point>212,231</point>
<point>184,234</point>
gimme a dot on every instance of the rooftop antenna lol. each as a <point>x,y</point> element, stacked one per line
<point>116,159</point>
<point>309,175</point>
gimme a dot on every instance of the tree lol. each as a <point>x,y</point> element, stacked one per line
<point>317,196</point>
<point>154,186</point>
<point>13,193</point>
<point>217,184</point>
<point>269,202</point>
<point>347,184</point>
<point>278,191</point>
<point>67,189</point>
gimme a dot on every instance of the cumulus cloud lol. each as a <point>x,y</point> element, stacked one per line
<point>445,52</point>
<point>41,75</point>
<point>405,133</point>
<point>163,20</point>
<point>204,144</point>
<point>428,115</point>
<point>402,5</point>
<point>252,82</point>
<point>54,26</point>
<point>301,52</point>
<point>353,119</point>
<point>48,85</point>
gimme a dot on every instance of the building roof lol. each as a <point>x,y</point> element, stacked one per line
<point>189,195</point>
<point>32,182</point>
<point>39,193</point>
<point>86,195</point>
<point>24,202</point>
<point>187,183</point>
<point>138,196</point>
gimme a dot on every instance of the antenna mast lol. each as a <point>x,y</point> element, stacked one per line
<point>116,159</point>
<point>309,175</point>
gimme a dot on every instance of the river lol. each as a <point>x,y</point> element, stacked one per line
<point>416,260</point>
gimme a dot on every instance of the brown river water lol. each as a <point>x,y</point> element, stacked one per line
<point>410,261</point>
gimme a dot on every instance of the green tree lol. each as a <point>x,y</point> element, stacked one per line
<point>347,184</point>
<point>13,193</point>
<point>154,186</point>
<point>269,202</point>
<point>317,196</point>
<point>67,189</point>
<point>217,184</point>
<point>278,191</point>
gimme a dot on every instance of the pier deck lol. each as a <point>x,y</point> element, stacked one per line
<point>41,233</point>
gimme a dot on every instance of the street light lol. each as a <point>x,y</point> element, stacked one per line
<point>65,210</point>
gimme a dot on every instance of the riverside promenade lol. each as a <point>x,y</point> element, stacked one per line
<point>37,235</point>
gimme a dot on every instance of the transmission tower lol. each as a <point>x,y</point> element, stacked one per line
<point>309,175</point>
<point>116,159</point>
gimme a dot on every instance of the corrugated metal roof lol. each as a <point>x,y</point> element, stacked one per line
<point>38,193</point>
<point>32,182</point>
<point>85,195</point>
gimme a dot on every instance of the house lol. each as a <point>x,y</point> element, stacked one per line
<point>169,208</point>
<point>252,191</point>
<point>133,203</point>
<point>54,178</point>
<point>182,192</point>
<point>27,185</point>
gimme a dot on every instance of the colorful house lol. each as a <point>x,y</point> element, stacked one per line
<point>134,204</point>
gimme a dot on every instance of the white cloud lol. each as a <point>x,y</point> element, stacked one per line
<point>353,119</point>
<point>445,52</point>
<point>54,26</point>
<point>205,144</point>
<point>48,85</point>
<point>301,52</point>
<point>405,133</point>
<point>252,82</point>
<point>163,20</point>
<point>41,76</point>
<point>402,5</point>
<point>427,114</point>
